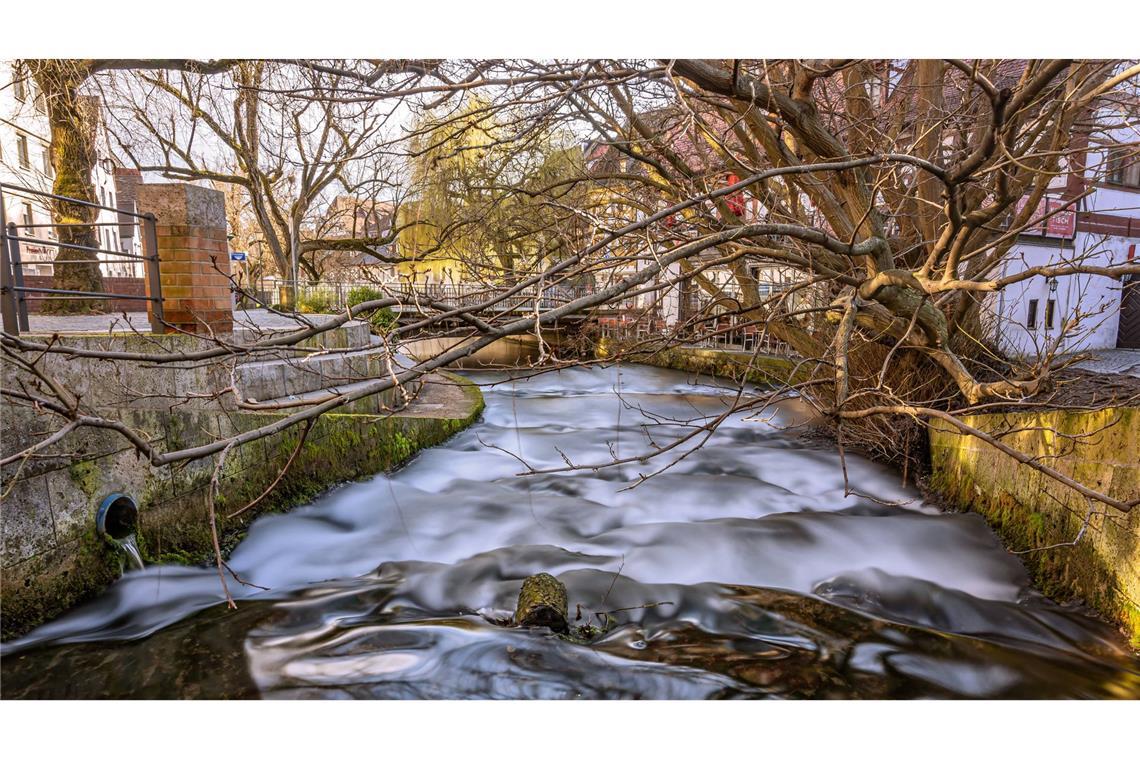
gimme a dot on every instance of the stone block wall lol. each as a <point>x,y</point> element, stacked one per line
<point>1031,511</point>
<point>52,559</point>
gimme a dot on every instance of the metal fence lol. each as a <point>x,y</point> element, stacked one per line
<point>703,320</point>
<point>728,333</point>
<point>15,294</point>
<point>335,295</point>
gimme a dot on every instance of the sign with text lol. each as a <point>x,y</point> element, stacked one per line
<point>1059,224</point>
<point>237,255</point>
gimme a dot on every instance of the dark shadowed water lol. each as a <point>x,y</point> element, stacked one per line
<point>741,571</point>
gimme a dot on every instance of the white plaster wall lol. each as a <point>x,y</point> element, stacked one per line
<point>1093,301</point>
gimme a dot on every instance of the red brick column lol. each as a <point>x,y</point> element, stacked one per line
<point>194,261</point>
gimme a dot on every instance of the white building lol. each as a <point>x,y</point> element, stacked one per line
<point>1076,312</point>
<point>25,161</point>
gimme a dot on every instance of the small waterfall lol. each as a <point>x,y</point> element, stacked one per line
<point>131,549</point>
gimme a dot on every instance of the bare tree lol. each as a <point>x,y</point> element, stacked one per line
<point>890,192</point>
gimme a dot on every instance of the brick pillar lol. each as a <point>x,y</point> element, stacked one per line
<point>190,228</point>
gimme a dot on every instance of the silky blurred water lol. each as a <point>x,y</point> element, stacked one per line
<point>741,570</point>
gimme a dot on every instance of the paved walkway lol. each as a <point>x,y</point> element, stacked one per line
<point>136,321</point>
<point>1114,361</point>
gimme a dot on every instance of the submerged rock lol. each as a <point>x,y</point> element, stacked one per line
<point>542,602</point>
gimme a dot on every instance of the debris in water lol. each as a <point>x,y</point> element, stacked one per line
<point>542,602</point>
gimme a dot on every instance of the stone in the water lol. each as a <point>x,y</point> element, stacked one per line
<point>542,602</point>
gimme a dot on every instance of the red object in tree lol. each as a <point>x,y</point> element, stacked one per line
<point>735,201</point>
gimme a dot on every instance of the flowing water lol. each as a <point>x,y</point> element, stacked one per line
<point>131,549</point>
<point>743,570</point>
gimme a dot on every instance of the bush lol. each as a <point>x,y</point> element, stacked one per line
<point>315,303</point>
<point>382,319</point>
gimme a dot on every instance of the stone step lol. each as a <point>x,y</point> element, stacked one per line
<point>352,334</point>
<point>377,403</point>
<point>291,377</point>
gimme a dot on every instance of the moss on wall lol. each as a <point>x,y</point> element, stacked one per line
<point>174,507</point>
<point>1031,511</point>
<point>733,365</point>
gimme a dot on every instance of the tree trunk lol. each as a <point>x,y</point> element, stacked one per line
<point>72,122</point>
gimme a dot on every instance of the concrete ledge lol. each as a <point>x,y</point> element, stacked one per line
<point>1029,510</point>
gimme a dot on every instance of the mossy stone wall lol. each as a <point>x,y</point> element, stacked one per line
<point>1029,510</point>
<point>69,563</point>
<point>733,365</point>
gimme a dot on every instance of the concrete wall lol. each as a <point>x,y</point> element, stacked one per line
<point>1029,510</point>
<point>515,351</point>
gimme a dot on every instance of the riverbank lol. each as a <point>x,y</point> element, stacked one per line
<point>1074,549</point>
<point>55,560</point>
<point>1036,517</point>
<point>738,366</point>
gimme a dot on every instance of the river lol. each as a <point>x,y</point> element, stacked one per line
<point>742,570</point>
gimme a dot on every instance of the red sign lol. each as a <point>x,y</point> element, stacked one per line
<point>1062,224</point>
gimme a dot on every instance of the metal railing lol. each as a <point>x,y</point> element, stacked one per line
<point>704,320</point>
<point>334,295</point>
<point>726,333</point>
<point>15,294</point>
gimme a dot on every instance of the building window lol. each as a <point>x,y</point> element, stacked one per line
<point>28,219</point>
<point>1031,318</point>
<point>1123,168</point>
<point>1050,307</point>
<point>49,170</point>
<point>19,86</point>
<point>22,151</point>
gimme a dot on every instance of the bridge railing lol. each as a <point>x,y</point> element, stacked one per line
<point>727,332</point>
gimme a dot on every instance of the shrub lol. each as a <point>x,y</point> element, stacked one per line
<point>382,319</point>
<point>315,303</point>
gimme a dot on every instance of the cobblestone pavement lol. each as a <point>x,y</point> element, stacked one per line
<point>1114,361</point>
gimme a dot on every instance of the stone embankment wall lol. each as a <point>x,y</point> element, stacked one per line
<point>52,557</point>
<point>733,365</point>
<point>1030,511</point>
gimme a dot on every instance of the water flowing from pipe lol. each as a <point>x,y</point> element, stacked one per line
<point>131,549</point>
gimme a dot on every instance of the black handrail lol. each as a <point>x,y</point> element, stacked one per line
<point>14,294</point>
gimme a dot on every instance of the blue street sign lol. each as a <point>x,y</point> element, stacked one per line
<point>237,255</point>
